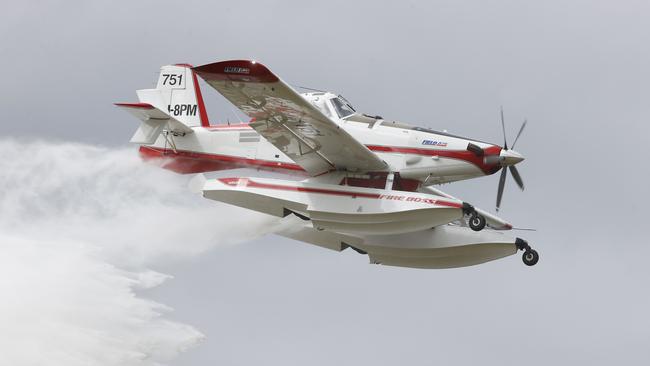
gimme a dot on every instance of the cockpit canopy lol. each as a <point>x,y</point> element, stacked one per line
<point>342,107</point>
<point>330,104</point>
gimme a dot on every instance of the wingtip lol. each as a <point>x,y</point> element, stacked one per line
<point>236,70</point>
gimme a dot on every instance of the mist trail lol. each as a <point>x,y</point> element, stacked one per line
<point>80,226</point>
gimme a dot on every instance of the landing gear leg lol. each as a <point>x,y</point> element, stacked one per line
<point>530,256</point>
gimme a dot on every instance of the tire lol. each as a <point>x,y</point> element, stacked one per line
<point>476,222</point>
<point>530,257</point>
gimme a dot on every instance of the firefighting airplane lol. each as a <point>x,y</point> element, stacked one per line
<point>366,183</point>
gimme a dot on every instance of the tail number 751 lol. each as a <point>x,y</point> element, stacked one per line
<point>172,79</point>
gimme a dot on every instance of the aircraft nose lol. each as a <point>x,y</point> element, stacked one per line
<point>510,157</point>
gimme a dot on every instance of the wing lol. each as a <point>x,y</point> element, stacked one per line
<point>287,120</point>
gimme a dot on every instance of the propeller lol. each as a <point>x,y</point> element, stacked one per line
<point>508,158</point>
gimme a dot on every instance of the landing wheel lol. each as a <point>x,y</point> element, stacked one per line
<point>476,222</point>
<point>530,257</point>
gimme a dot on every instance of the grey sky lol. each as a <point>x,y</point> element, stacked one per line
<point>578,70</point>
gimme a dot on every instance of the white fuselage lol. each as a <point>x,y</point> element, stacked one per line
<point>416,154</point>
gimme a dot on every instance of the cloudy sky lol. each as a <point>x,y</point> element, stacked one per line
<point>577,70</point>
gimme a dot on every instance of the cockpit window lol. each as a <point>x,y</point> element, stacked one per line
<point>342,106</point>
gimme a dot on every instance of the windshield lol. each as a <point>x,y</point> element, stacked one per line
<point>342,106</point>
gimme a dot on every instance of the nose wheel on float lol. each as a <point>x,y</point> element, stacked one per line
<point>475,221</point>
<point>530,256</point>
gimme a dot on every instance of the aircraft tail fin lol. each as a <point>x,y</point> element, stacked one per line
<point>178,94</point>
<point>175,103</point>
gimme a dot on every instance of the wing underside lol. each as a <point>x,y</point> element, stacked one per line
<point>287,120</point>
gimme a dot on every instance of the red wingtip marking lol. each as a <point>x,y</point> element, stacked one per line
<point>135,105</point>
<point>238,70</point>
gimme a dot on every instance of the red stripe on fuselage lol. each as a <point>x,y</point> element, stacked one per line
<point>186,162</point>
<point>194,162</point>
<point>464,155</point>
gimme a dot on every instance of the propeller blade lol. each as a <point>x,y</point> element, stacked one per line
<point>503,127</point>
<point>502,183</point>
<point>519,134</point>
<point>515,174</point>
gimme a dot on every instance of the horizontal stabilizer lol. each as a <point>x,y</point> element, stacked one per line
<point>143,111</point>
<point>154,121</point>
